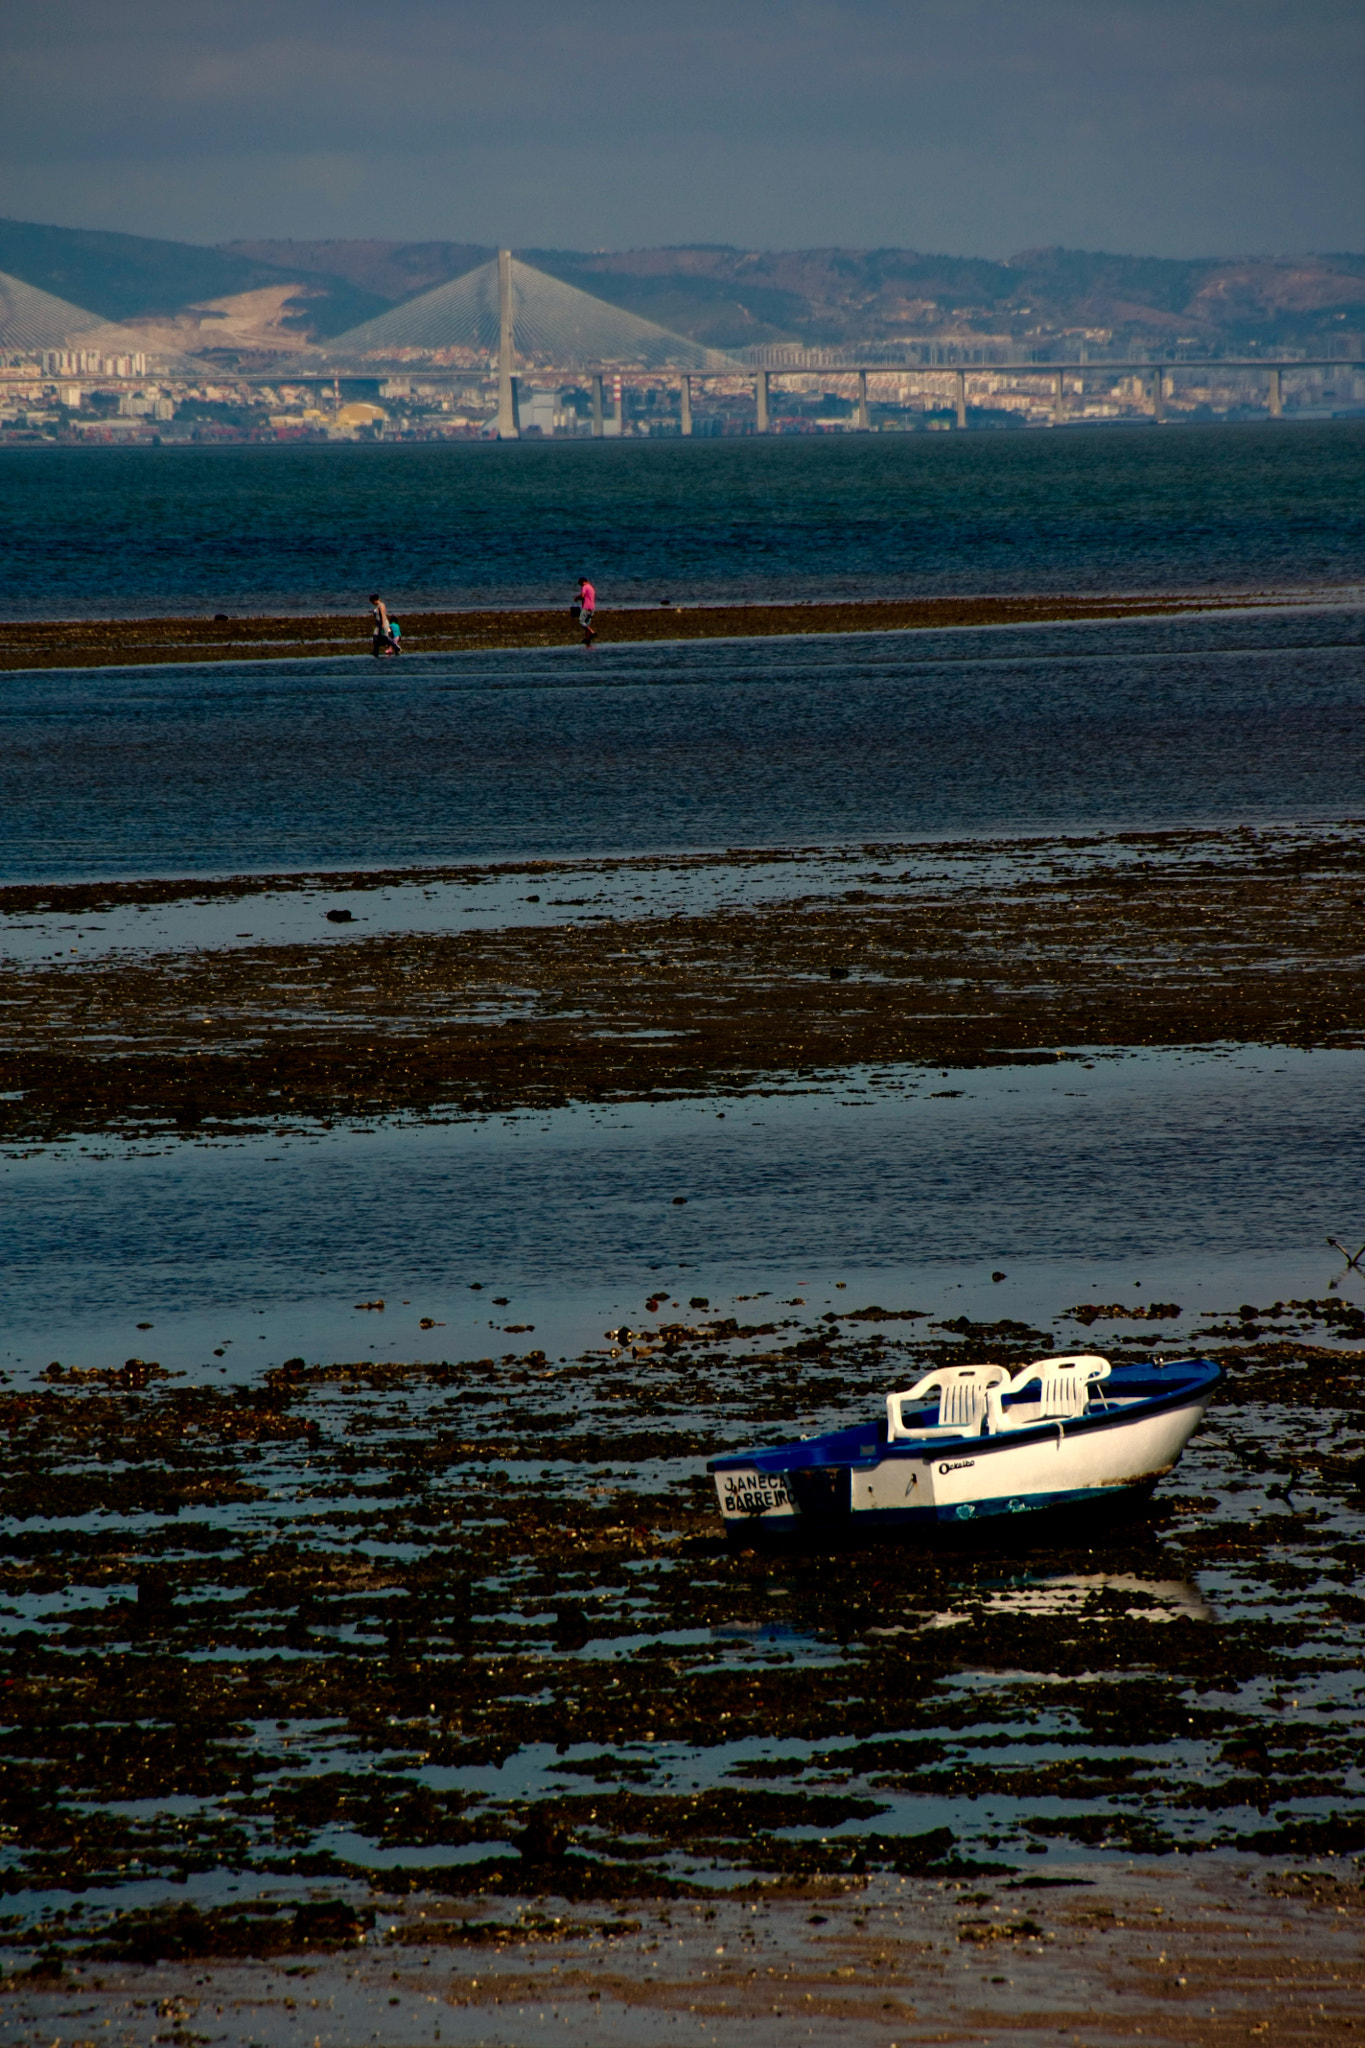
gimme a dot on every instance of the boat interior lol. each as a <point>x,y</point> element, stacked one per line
<point>986,1399</point>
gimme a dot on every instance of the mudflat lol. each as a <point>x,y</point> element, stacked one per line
<point>1203,1955</point>
<point>412,1699</point>
<point>432,1688</point>
<point>101,643</point>
<point>1012,951</point>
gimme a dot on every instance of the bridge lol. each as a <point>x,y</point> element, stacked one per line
<point>506,316</point>
<point>1067,378</point>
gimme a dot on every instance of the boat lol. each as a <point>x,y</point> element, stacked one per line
<point>974,1443</point>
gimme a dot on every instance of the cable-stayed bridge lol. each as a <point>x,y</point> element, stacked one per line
<point>509,308</point>
<point>509,317</point>
<point>71,341</point>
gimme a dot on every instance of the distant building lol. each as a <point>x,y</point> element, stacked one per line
<point>539,409</point>
<point>358,414</point>
<point>92,362</point>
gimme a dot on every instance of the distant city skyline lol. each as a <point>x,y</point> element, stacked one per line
<point>980,127</point>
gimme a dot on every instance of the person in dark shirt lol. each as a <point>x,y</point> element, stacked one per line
<point>386,630</point>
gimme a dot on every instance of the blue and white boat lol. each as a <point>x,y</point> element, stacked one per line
<point>970,1442</point>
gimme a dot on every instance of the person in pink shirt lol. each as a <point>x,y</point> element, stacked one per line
<point>587,605</point>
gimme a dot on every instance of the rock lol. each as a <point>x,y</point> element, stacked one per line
<point>542,1841</point>
<point>573,1630</point>
<point>340,917</point>
<point>153,1593</point>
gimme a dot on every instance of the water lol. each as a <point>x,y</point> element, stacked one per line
<point>101,532</point>
<point>1245,717</point>
<point>387,1614</point>
<point>1198,1178</point>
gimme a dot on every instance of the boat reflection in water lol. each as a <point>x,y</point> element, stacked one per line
<point>1106,1596</point>
<point>971,1442</point>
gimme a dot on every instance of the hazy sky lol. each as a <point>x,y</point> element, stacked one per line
<point>1172,127</point>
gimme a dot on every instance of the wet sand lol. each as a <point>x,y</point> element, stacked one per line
<point>1204,1955</point>
<point>1018,953</point>
<point>101,643</point>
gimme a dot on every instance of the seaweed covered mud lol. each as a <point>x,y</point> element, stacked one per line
<point>414,1700</point>
<point>442,1655</point>
<point>739,972</point>
<point>140,642</point>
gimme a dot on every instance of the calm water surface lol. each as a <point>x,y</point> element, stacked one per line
<point>1200,1178</point>
<point>100,532</point>
<point>1244,717</point>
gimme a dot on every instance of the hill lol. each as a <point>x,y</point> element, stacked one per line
<point>137,277</point>
<point>731,298</point>
<point>269,295</point>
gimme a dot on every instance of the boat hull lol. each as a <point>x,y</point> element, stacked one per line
<point>856,1483</point>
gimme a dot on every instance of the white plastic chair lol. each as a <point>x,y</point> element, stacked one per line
<point>964,1397</point>
<point>1063,1385</point>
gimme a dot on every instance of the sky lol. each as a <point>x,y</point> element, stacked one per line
<point>975,127</point>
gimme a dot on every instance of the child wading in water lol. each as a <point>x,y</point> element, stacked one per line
<point>387,631</point>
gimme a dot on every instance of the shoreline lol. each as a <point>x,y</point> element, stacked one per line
<point>1193,1956</point>
<point>153,642</point>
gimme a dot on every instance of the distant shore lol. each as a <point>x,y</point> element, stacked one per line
<point>123,643</point>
